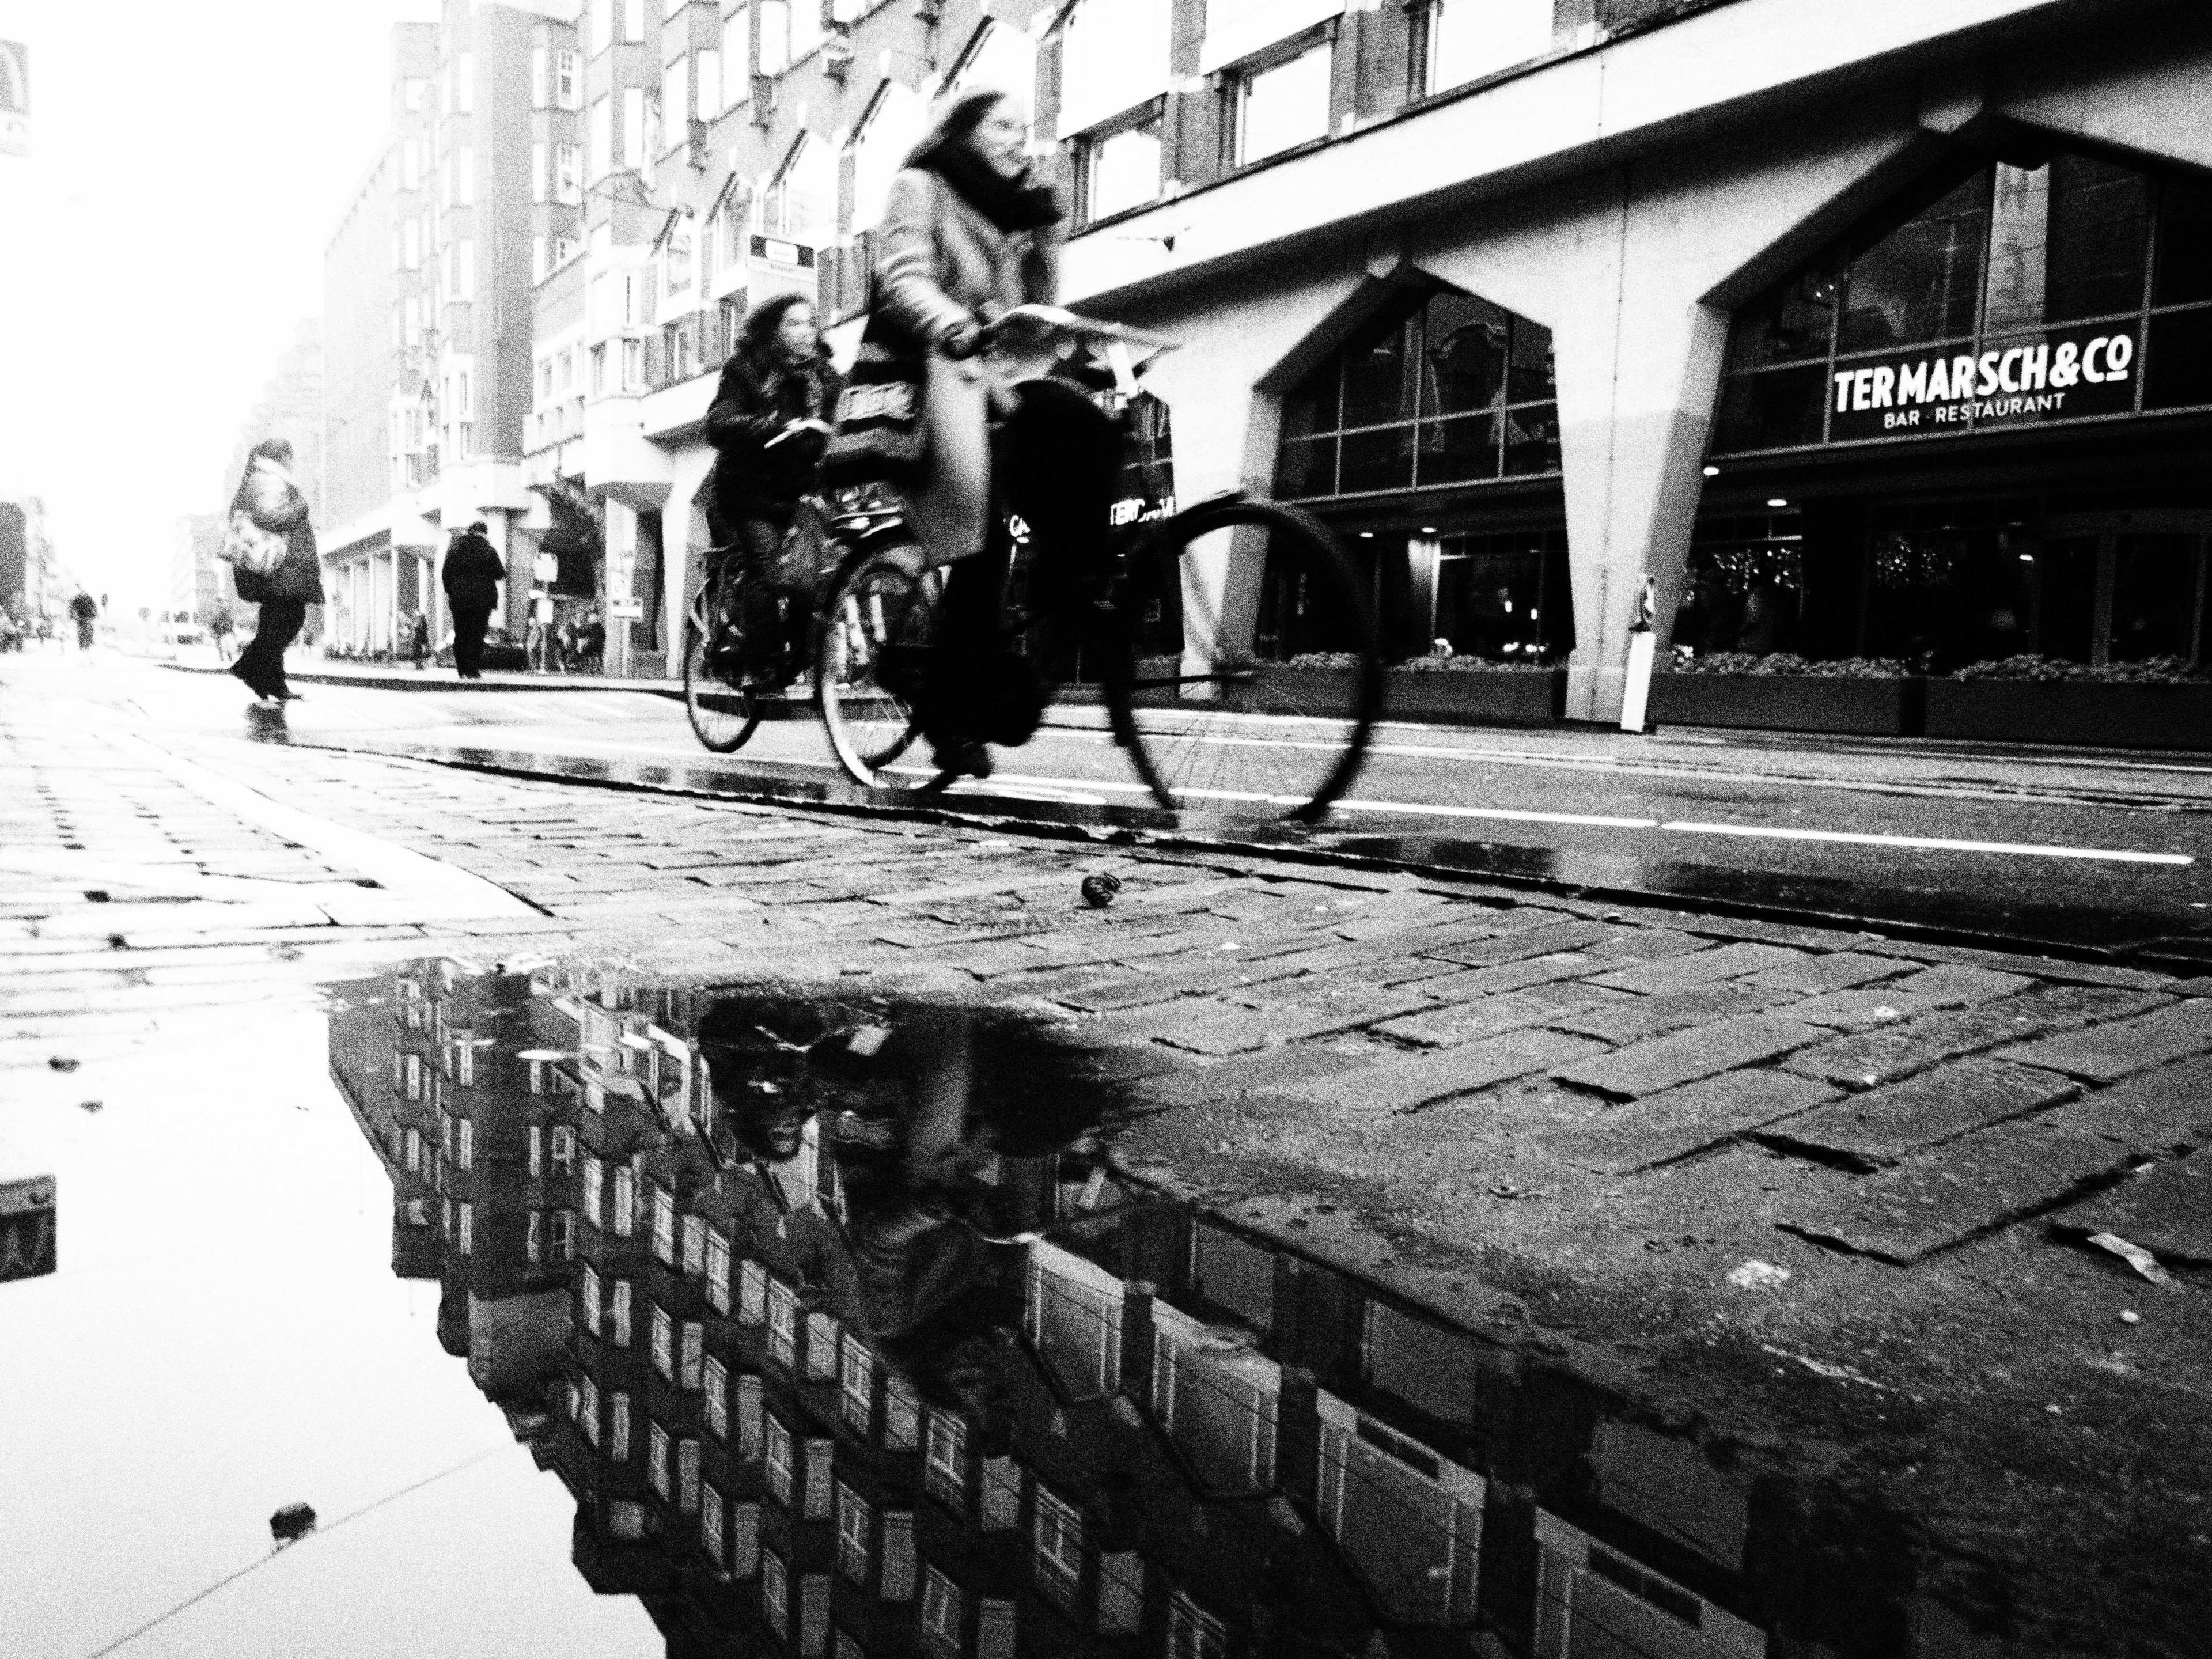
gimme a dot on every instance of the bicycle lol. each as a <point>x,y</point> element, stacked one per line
<point>1205,722</point>
<point>728,687</point>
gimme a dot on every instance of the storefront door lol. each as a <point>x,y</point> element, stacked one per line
<point>2133,583</point>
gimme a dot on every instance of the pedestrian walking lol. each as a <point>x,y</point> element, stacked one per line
<point>418,640</point>
<point>221,626</point>
<point>86,611</point>
<point>472,569</point>
<point>769,423</point>
<point>591,643</point>
<point>564,643</point>
<point>271,497</point>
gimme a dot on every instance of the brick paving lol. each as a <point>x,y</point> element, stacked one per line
<point>1939,1092</point>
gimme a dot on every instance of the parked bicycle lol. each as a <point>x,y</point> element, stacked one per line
<point>1185,631</point>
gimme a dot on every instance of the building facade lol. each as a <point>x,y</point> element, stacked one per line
<point>32,585</point>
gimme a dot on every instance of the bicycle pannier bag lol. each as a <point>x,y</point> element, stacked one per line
<point>882,436</point>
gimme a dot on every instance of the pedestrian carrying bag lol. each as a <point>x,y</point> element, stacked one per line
<point>248,546</point>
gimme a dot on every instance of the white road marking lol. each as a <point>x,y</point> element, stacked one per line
<point>1933,843</point>
<point>1495,812</point>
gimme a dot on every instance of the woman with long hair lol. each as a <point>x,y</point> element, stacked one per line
<point>770,422</point>
<point>972,228</point>
<point>272,497</point>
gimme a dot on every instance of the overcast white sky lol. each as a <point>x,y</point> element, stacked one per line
<point>159,249</point>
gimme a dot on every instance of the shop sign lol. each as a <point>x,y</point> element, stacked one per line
<point>27,1228</point>
<point>2061,374</point>
<point>1140,509</point>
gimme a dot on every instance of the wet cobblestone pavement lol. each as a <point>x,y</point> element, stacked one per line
<point>1762,1246</point>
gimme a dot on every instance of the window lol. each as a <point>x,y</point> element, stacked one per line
<point>588,1408</point>
<point>564,1149</point>
<point>1072,1315</point>
<point>633,19</point>
<point>781,1474</point>
<point>656,1460</point>
<point>744,1540</point>
<point>1281,106</point>
<point>854,1525</point>
<point>676,104</point>
<point>1218,1405</point>
<point>587,1300</point>
<point>892,125</point>
<point>1122,1593</point>
<point>714,1384</point>
<point>695,1244</point>
<point>789,30</point>
<point>410,1076</point>
<point>568,174</point>
<point>625,1201</point>
<point>538,1131</point>
<point>1236,1274</point>
<point>1121,169</point>
<point>821,1347</point>
<point>750,1419</point>
<point>800,200</point>
<point>564,1235</point>
<point>687,1477</point>
<point>569,79</point>
<point>603,136</point>
<point>821,1460</point>
<point>856,1386</point>
<point>662,1203</point>
<point>1194,1633</point>
<point>1056,1535</point>
<point>633,154</point>
<point>626,1520</point>
<point>1002,1494</point>
<point>946,1454</point>
<point>599,368</point>
<point>633,365</point>
<point>602,24</point>
<point>997,55</point>
<point>941,1613</point>
<point>994,1630</point>
<point>710,98</point>
<point>533,1242</point>
<point>1457,41</point>
<point>1114,55</point>
<point>618,1308</point>
<point>467,1155</point>
<point>901,1415</point>
<point>782,1324</point>
<point>718,1272</point>
<point>468,1228</point>
<point>618,1435</point>
<point>1409,1521</point>
<point>2011,297</point>
<point>736,47</point>
<point>594,1180</point>
<point>1448,389</point>
<point>898,1556</point>
<point>691,1353</point>
<point>814,1616</point>
<point>664,1341</point>
<point>775,1593</point>
<point>710,1526</point>
<point>1593,1599</point>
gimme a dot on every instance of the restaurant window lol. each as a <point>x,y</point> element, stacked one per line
<point>1445,389</point>
<point>2006,297</point>
<point>1505,597</point>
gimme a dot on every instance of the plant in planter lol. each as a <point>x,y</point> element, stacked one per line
<point>2162,702</point>
<point>1876,696</point>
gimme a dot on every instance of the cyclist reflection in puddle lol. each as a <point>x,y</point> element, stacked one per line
<point>933,1171</point>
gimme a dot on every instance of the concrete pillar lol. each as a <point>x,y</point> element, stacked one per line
<point>682,540</point>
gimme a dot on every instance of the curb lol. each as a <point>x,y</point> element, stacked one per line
<point>436,680</point>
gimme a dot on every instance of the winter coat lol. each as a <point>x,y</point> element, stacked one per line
<point>472,567</point>
<point>757,399</point>
<point>942,264</point>
<point>273,500</point>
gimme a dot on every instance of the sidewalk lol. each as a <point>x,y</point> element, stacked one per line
<point>397,676</point>
<point>1578,1125</point>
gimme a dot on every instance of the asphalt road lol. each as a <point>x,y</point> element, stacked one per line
<point>2105,850</point>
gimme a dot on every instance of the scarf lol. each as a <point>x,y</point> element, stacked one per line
<point>1012,204</point>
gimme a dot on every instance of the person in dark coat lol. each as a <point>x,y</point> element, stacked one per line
<point>472,569</point>
<point>770,423</point>
<point>271,497</point>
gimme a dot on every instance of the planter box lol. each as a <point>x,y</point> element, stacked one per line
<point>2112,716</point>
<point>1497,696</point>
<point>1304,690</point>
<point>1790,702</point>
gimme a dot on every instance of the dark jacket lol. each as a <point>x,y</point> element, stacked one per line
<point>472,567</point>
<point>757,399</point>
<point>268,493</point>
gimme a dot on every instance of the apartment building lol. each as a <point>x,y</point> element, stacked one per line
<point>32,585</point>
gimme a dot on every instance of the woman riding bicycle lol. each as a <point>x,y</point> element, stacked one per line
<point>971,230</point>
<point>769,422</point>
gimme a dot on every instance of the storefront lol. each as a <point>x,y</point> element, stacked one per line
<point>1973,434</point>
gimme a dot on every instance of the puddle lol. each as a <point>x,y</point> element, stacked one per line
<point>837,1324</point>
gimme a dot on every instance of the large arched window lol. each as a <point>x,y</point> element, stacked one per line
<point>2005,297</point>
<point>1442,390</point>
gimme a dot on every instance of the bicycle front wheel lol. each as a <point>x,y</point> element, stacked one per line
<point>872,649</point>
<point>722,717</point>
<point>1262,701</point>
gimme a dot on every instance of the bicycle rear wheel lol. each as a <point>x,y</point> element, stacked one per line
<point>1278,730</point>
<point>723,718</point>
<point>870,654</point>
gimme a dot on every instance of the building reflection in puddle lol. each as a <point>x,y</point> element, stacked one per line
<point>846,1336</point>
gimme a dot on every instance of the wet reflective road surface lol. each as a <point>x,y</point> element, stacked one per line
<point>601,1316</point>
